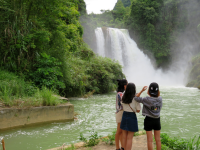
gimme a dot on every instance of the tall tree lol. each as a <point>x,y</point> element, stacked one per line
<point>126,3</point>
<point>119,10</point>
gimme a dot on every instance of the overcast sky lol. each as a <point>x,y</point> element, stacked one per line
<point>96,5</point>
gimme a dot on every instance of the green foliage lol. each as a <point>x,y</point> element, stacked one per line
<point>198,27</point>
<point>194,76</point>
<point>119,10</point>
<point>14,91</point>
<point>155,25</point>
<point>72,147</point>
<point>48,98</point>
<point>29,28</point>
<point>93,139</point>
<point>47,72</point>
<point>82,7</point>
<point>147,24</point>
<point>12,87</point>
<point>164,147</point>
<point>173,143</point>
<point>194,143</point>
<point>42,40</point>
<point>111,138</point>
<point>92,74</point>
<point>126,3</point>
<point>178,144</point>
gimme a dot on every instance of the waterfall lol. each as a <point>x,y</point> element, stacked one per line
<point>137,67</point>
<point>100,42</point>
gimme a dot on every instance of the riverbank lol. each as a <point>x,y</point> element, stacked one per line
<point>139,143</point>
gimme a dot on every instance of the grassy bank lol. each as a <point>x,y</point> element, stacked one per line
<point>168,143</point>
<point>15,91</point>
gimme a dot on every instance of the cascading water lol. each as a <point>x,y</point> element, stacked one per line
<point>100,42</point>
<point>136,65</point>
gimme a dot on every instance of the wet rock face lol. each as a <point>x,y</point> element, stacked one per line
<point>194,76</point>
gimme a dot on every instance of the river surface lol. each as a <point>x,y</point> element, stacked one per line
<point>179,118</point>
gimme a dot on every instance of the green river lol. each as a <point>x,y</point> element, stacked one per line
<point>179,117</point>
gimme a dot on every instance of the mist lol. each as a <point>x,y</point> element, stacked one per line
<point>187,43</point>
<point>138,67</point>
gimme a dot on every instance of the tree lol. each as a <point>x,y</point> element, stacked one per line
<point>126,3</point>
<point>119,10</point>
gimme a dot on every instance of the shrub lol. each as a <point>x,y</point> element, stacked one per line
<point>179,144</point>
<point>12,87</point>
<point>96,73</point>
<point>72,147</point>
<point>47,72</point>
<point>173,143</point>
<point>48,97</point>
<point>194,143</point>
<point>111,138</point>
<point>93,139</point>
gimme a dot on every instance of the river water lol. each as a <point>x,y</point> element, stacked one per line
<point>179,115</point>
<point>179,118</point>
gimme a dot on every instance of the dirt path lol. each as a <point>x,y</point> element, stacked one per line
<point>139,143</point>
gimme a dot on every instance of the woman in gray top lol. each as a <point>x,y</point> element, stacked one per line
<point>152,105</point>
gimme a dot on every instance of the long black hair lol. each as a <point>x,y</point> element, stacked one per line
<point>129,93</point>
<point>121,84</point>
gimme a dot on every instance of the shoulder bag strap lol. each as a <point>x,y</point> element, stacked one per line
<point>131,108</point>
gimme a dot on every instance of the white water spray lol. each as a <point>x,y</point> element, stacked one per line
<point>100,42</point>
<point>136,65</point>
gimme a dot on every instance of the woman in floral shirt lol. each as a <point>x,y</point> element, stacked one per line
<point>119,110</point>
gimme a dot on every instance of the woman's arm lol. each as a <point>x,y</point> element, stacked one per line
<point>143,89</point>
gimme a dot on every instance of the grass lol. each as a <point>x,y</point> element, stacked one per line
<point>14,91</point>
<point>93,140</point>
<point>110,139</point>
<point>72,147</point>
<point>194,143</point>
<point>169,143</point>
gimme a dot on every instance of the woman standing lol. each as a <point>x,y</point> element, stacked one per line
<point>129,123</point>
<point>152,105</point>
<point>119,110</point>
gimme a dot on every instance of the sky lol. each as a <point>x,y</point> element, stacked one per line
<point>96,5</point>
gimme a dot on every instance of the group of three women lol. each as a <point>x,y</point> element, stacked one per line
<point>128,104</point>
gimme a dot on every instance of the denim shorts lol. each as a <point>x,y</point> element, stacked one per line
<point>129,122</point>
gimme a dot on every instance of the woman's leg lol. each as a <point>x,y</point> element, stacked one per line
<point>157,139</point>
<point>117,136</point>
<point>149,140</point>
<point>124,138</point>
<point>129,140</point>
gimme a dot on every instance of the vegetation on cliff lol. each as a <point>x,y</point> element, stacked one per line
<point>194,76</point>
<point>41,43</point>
<point>159,27</point>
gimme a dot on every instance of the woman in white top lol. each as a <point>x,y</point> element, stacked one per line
<point>129,123</point>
